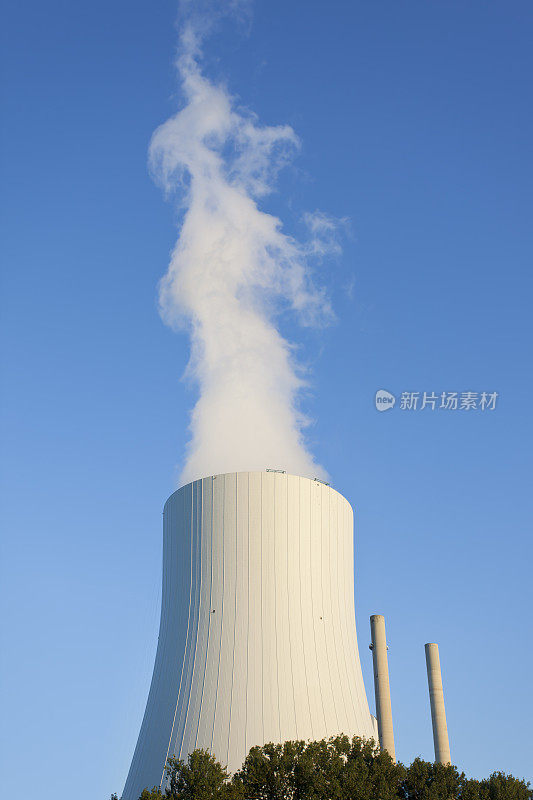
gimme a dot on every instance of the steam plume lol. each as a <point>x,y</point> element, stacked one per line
<point>232,270</point>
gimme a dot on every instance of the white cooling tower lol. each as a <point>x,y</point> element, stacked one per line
<point>257,640</point>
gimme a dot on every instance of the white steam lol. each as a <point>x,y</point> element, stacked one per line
<point>231,271</point>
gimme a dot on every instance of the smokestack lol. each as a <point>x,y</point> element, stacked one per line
<point>436,699</point>
<point>381,684</point>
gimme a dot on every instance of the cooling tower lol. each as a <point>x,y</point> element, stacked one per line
<point>257,640</point>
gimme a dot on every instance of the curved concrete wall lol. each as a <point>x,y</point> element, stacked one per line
<point>257,640</point>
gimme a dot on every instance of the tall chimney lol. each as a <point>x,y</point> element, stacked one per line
<point>436,699</point>
<point>381,684</point>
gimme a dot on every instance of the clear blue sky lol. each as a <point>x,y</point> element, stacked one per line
<point>416,123</point>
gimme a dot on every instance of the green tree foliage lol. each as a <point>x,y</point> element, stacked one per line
<point>201,778</point>
<point>424,780</point>
<point>339,768</point>
<point>155,794</point>
<point>504,787</point>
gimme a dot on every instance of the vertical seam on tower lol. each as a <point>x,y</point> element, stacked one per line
<point>183,666</point>
<point>209,614</point>
<point>361,696</point>
<point>350,607</point>
<point>164,599</point>
<point>276,607</point>
<point>323,626</point>
<point>313,615</point>
<point>222,606</point>
<point>288,606</point>
<point>327,493</point>
<point>199,556</point>
<point>234,615</point>
<point>248,624</point>
<point>357,662</point>
<point>301,607</point>
<point>342,607</point>
<point>334,625</point>
<point>261,616</point>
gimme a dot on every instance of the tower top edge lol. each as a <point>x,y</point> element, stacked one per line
<point>278,473</point>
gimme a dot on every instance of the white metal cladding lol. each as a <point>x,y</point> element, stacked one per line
<point>257,640</point>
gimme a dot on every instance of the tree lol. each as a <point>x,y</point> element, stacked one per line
<point>268,772</point>
<point>201,778</point>
<point>338,768</point>
<point>425,780</point>
<point>500,786</point>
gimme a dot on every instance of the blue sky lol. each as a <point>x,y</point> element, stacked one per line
<point>415,120</point>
